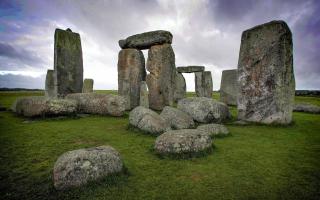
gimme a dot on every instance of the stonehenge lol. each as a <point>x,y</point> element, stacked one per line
<point>49,84</point>
<point>87,86</point>
<point>229,87</point>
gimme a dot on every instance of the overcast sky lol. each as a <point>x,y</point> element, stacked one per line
<point>204,33</point>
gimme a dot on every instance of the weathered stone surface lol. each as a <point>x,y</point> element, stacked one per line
<point>182,141</point>
<point>204,110</point>
<point>214,129</point>
<point>308,108</point>
<point>131,71</point>
<point>43,107</point>
<point>146,40</point>
<point>103,104</point>
<point>87,86</point>
<point>78,167</point>
<point>190,69</point>
<point>180,87</point>
<point>203,84</point>
<point>68,64</point>
<point>148,121</point>
<point>161,65</point>
<point>144,95</point>
<point>50,91</point>
<point>265,74</point>
<point>229,87</point>
<point>177,118</point>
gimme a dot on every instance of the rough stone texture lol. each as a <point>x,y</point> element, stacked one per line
<point>78,167</point>
<point>182,141</point>
<point>190,69</point>
<point>148,121</point>
<point>103,104</point>
<point>229,87</point>
<point>214,129</point>
<point>177,118</point>
<point>204,110</point>
<point>180,87</point>
<point>68,64</point>
<point>144,95</point>
<point>87,86</point>
<point>161,65</point>
<point>265,74</point>
<point>146,40</point>
<point>131,71</point>
<point>43,107</point>
<point>49,85</point>
<point>308,108</point>
<point>203,84</point>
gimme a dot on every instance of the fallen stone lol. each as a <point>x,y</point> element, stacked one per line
<point>50,90</point>
<point>190,69</point>
<point>177,118</point>
<point>308,108</point>
<point>214,129</point>
<point>180,87</point>
<point>144,95</point>
<point>229,87</point>
<point>203,84</point>
<point>87,86</point>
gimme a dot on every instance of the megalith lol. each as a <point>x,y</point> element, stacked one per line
<point>131,71</point>
<point>265,74</point>
<point>144,95</point>
<point>180,87</point>
<point>68,64</point>
<point>203,84</point>
<point>49,84</point>
<point>229,87</point>
<point>87,85</point>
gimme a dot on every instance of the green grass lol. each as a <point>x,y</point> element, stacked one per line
<point>255,162</point>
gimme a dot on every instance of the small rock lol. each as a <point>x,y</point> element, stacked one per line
<point>214,129</point>
<point>177,118</point>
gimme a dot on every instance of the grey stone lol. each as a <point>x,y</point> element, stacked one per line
<point>265,74</point>
<point>214,129</point>
<point>79,167</point>
<point>68,64</point>
<point>203,84</point>
<point>148,121</point>
<point>180,87</point>
<point>39,106</point>
<point>49,85</point>
<point>182,141</point>
<point>204,110</point>
<point>241,123</point>
<point>102,104</point>
<point>161,65</point>
<point>229,87</point>
<point>190,69</point>
<point>87,86</point>
<point>308,108</point>
<point>177,118</point>
<point>144,95</point>
<point>131,72</point>
<point>146,40</point>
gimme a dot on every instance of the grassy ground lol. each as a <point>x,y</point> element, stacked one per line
<point>255,162</point>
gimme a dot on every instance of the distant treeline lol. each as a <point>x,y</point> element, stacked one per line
<point>19,89</point>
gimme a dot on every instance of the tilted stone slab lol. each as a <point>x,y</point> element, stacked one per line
<point>229,87</point>
<point>146,40</point>
<point>180,87</point>
<point>87,85</point>
<point>203,84</point>
<point>190,69</point>
<point>265,71</point>
<point>50,91</point>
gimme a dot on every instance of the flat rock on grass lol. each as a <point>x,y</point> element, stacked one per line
<point>177,118</point>
<point>308,108</point>
<point>214,129</point>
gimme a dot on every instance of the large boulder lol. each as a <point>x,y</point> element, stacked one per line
<point>203,84</point>
<point>39,106</point>
<point>131,72</point>
<point>214,129</point>
<point>78,167</point>
<point>50,90</point>
<point>148,121</point>
<point>229,87</point>
<point>103,104</point>
<point>204,110</point>
<point>308,108</point>
<point>161,79</point>
<point>180,88</point>
<point>87,85</point>
<point>185,141</point>
<point>177,118</point>
<point>146,40</point>
<point>68,63</point>
<point>190,69</point>
<point>265,74</point>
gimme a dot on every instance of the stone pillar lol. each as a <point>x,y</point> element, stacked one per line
<point>131,71</point>
<point>144,95</point>
<point>49,84</point>
<point>229,87</point>
<point>161,65</point>
<point>203,84</point>
<point>87,86</point>
<point>265,74</point>
<point>180,87</point>
<point>68,63</point>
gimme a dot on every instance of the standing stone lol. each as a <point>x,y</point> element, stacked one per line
<point>131,71</point>
<point>144,95</point>
<point>161,65</point>
<point>229,87</point>
<point>68,63</point>
<point>203,84</point>
<point>87,86</point>
<point>49,87</point>
<point>180,87</point>
<point>265,74</point>
<point>190,69</point>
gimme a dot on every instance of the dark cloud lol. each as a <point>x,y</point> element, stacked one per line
<point>20,81</point>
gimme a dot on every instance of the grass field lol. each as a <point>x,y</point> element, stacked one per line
<point>255,162</point>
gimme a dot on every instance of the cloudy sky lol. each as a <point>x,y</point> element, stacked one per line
<point>204,33</point>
